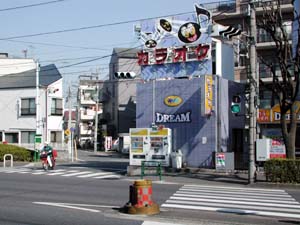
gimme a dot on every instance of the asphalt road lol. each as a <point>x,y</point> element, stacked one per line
<point>79,194</point>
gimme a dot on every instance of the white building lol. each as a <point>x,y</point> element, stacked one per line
<point>20,116</point>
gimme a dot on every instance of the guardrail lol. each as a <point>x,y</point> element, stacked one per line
<point>146,164</point>
<point>11,160</point>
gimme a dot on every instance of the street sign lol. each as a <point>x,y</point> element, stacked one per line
<point>67,132</point>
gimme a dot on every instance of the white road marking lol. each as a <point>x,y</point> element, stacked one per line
<point>94,174</point>
<point>159,223</point>
<point>235,200</point>
<point>238,211</point>
<point>66,206</point>
<point>76,206</point>
<point>75,174</point>
<point>288,200</point>
<point>108,176</point>
<point>233,188</point>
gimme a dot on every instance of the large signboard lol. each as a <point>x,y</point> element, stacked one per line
<point>176,46</point>
<point>273,115</point>
<point>277,149</point>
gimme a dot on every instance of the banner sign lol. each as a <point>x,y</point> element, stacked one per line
<point>208,93</point>
<point>273,115</point>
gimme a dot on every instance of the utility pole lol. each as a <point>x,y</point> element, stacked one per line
<point>253,85</point>
<point>69,124</point>
<point>37,100</point>
<point>96,117</point>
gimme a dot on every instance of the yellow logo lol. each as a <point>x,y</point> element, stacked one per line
<point>173,101</point>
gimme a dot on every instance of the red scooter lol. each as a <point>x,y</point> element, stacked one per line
<point>46,156</point>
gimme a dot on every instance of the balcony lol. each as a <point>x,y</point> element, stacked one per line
<point>87,96</point>
<point>87,114</point>
<point>86,130</point>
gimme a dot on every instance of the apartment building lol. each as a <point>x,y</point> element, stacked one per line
<point>236,13</point>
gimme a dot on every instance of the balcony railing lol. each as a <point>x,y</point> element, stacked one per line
<point>262,38</point>
<point>264,3</point>
<point>222,6</point>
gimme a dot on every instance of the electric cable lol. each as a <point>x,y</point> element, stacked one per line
<point>31,5</point>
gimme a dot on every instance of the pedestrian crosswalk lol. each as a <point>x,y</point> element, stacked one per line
<point>263,202</point>
<point>65,173</point>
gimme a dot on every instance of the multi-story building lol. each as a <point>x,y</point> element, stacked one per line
<point>236,13</point>
<point>86,112</point>
<point>27,110</point>
<point>120,107</point>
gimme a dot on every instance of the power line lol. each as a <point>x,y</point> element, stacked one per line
<point>89,27</point>
<point>65,46</point>
<point>105,56</point>
<point>32,5</point>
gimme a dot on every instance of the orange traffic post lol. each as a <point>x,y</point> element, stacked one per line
<point>140,199</point>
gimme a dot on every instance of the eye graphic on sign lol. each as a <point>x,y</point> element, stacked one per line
<point>150,43</point>
<point>166,25</point>
<point>189,32</point>
<point>173,101</point>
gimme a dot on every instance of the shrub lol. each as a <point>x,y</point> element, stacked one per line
<point>19,153</point>
<point>283,170</point>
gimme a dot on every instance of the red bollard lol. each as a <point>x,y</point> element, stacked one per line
<point>140,199</point>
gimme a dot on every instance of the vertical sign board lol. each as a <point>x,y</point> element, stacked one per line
<point>108,143</point>
<point>220,161</point>
<point>263,148</point>
<point>208,95</point>
<point>37,142</point>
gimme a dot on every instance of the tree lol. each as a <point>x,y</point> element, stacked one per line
<point>285,86</point>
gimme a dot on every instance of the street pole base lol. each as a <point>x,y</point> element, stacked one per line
<point>145,210</point>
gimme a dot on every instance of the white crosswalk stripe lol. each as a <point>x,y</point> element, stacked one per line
<point>64,173</point>
<point>264,202</point>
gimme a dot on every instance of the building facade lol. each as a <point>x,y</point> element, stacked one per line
<point>120,105</point>
<point>21,118</point>
<point>236,14</point>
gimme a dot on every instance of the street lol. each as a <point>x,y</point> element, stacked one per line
<point>76,193</point>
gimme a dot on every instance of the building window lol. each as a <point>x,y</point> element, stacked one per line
<point>56,107</point>
<point>56,136</point>
<point>28,106</point>
<point>27,136</point>
<point>11,137</point>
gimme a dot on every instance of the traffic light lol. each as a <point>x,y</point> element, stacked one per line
<point>125,75</point>
<point>236,104</point>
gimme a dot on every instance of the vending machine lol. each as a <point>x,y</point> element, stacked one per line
<point>139,145</point>
<point>147,144</point>
<point>160,146</point>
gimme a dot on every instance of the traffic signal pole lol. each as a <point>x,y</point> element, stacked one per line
<point>253,85</point>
